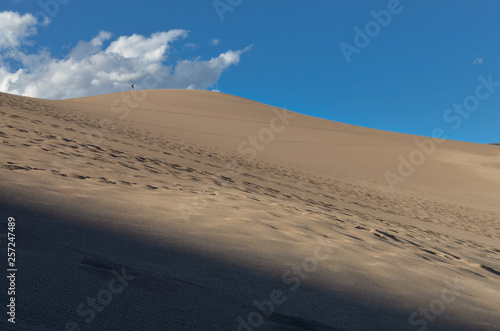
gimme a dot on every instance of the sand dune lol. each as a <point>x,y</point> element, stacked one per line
<point>207,211</point>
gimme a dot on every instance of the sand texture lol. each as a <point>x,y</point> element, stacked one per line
<point>196,210</point>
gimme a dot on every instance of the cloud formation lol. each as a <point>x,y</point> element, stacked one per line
<point>92,68</point>
<point>14,29</point>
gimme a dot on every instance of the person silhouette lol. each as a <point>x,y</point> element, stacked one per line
<point>132,87</point>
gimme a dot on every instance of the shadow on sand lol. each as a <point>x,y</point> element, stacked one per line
<point>75,277</point>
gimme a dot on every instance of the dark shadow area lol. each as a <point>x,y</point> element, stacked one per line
<point>76,277</point>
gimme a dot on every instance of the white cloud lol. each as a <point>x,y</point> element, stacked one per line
<point>84,48</point>
<point>191,46</point>
<point>14,29</point>
<point>101,38</point>
<point>151,49</point>
<point>101,65</point>
<point>203,74</point>
<point>214,42</point>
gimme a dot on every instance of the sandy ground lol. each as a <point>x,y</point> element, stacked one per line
<point>195,210</point>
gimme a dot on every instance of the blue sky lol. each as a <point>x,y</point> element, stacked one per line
<point>417,64</point>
